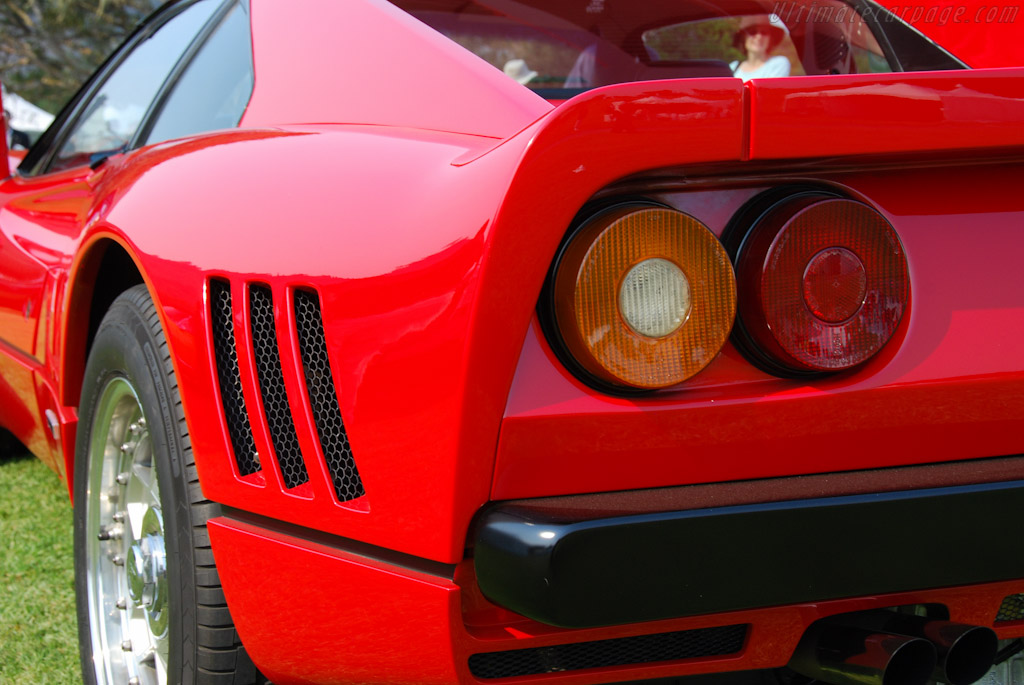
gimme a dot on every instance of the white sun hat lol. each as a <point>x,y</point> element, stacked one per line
<point>517,69</point>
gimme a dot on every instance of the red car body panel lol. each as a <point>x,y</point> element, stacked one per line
<point>983,34</point>
<point>885,114</point>
<point>426,216</point>
<point>380,299</point>
<point>374,630</point>
<point>423,90</point>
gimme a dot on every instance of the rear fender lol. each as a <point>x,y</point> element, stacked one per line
<point>716,129</point>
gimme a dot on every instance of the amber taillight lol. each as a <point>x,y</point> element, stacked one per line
<point>643,297</point>
<point>823,284</point>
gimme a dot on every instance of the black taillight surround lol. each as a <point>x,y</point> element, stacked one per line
<point>734,238</point>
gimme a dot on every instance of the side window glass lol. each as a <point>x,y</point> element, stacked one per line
<point>214,90</point>
<point>108,122</point>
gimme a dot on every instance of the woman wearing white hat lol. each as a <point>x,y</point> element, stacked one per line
<point>758,35</point>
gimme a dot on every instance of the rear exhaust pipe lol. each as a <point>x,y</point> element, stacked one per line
<point>846,655</point>
<point>961,654</point>
<point>965,652</point>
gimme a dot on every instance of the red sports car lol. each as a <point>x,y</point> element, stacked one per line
<point>529,341</point>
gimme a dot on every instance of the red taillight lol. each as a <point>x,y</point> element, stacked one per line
<point>822,284</point>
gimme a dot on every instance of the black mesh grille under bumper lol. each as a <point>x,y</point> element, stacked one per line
<point>1012,609</point>
<point>641,649</point>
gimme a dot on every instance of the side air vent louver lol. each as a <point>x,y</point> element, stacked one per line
<point>623,651</point>
<point>230,379</point>
<point>324,397</point>
<point>272,390</point>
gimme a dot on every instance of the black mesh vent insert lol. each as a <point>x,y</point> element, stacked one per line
<point>275,398</point>
<point>324,398</point>
<point>641,649</point>
<point>1012,609</point>
<point>239,429</point>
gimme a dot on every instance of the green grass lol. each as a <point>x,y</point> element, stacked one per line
<point>38,637</point>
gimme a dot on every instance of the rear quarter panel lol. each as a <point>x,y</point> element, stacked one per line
<point>939,156</point>
<point>393,252</point>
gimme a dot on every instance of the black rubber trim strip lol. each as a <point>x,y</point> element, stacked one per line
<point>625,569</point>
<point>342,544</point>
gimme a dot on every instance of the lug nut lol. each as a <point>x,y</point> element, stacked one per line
<point>126,645</point>
<point>112,533</point>
<point>134,680</point>
<point>122,478</point>
<point>117,560</point>
<point>118,517</point>
<point>122,603</point>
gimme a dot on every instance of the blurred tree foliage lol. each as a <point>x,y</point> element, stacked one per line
<point>708,39</point>
<point>49,47</point>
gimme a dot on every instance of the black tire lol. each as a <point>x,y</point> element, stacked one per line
<point>129,371</point>
<point>10,446</point>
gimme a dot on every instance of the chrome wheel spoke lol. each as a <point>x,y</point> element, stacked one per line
<point>135,511</point>
<point>145,487</point>
<point>125,552</point>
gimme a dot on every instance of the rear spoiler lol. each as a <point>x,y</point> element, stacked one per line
<point>925,112</point>
<point>693,121</point>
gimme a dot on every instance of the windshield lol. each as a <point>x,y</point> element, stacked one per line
<point>561,47</point>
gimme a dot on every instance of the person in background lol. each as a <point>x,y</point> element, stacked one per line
<point>758,35</point>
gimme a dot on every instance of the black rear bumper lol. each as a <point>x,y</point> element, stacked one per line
<point>575,568</point>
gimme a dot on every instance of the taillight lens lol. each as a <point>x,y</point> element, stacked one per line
<point>823,283</point>
<point>644,297</point>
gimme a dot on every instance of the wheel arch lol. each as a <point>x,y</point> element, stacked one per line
<point>103,268</point>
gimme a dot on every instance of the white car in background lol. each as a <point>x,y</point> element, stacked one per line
<point>25,121</point>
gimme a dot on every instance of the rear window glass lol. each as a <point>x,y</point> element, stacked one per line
<point>559,49</point>
<point>828,39</point>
